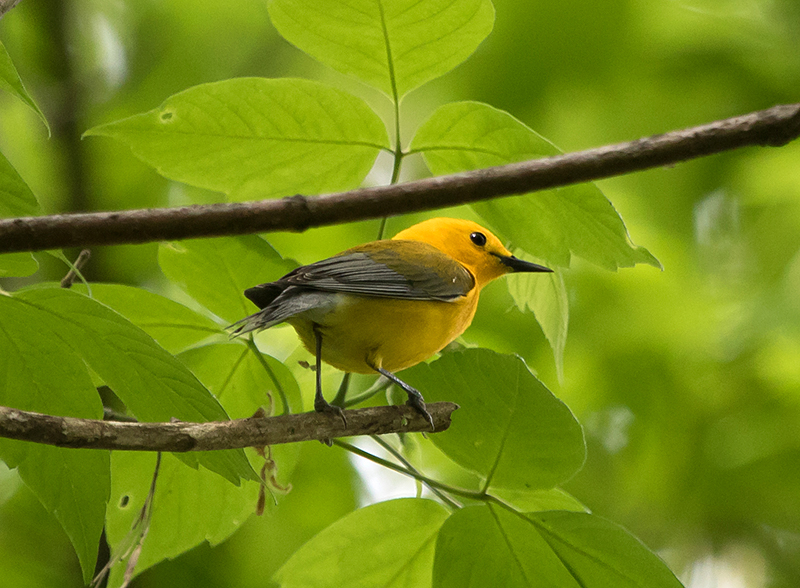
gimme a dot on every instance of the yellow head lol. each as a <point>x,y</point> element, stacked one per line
<point>471,245</point>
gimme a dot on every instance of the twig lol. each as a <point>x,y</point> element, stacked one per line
<point>6,5</point>
<point>69,279</point>
<point>131,545</point>
<point>234,434</point>
<point>775,126</point>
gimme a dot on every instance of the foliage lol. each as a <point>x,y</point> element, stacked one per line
<point>686,381</point>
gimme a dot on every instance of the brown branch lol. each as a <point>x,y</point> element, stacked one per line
<point>775,126</point>
<point>251,432</point>
<point>72,274</point>
<point>6,5</point>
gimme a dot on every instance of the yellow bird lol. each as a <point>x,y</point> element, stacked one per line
<point>386,305</point>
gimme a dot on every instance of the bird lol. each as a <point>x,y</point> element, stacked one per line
<point>387,305</point>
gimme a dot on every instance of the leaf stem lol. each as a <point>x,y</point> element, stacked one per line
<point>398,144</point>
<point>430,482</point>
<point>401,458</point>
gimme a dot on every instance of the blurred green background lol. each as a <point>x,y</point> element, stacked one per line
<point>687,381</point>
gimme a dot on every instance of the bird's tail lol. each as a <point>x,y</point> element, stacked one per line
<point>254,322</point>
<point>290,303</point>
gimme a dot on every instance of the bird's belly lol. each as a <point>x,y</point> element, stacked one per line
<point>388,333</point>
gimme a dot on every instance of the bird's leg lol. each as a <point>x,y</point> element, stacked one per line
<point>415,399</point>
<point>320,404</point>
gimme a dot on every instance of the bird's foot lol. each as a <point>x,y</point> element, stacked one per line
<point>321,405</point>
<point>416,401</point>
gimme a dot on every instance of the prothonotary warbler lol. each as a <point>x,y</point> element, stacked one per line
<point>387,305</point>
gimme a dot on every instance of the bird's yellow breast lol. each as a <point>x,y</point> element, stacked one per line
<point>393,334</point>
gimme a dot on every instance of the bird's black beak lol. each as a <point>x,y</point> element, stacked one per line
<point>519,265</point>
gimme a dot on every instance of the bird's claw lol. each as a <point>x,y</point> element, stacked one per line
<point>327,408</point>
<point>419,405</point>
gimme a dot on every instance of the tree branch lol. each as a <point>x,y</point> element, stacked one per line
<point>6,5</point>
<point>775,126</point>
<point>251,432</point>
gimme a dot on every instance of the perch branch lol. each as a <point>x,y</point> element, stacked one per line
<point>6,5</point>
<point>183,436</point>
<point>775,126</point>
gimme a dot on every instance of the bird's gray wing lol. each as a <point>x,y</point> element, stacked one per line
<point>408,270</point>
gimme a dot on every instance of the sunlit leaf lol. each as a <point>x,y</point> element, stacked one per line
<point>216,272</point>
<point>539,500</point>
<point>257,138</point>
<point>394,46</point>
<point>389,544</point>
<point>11,82</point>
<point>510,428</point>
<point>551,225</point>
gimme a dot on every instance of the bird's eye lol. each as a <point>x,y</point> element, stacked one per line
<point>478,238</point>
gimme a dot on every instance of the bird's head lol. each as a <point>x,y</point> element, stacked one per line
<point>474,247</point>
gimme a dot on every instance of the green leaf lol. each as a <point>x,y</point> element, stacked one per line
<point>510,428</point>
<point>216,272</point>
<point>18,265</point>
<point>16,199</point>
<point>393,46</point>
<point>243,380</point>
<point>600,553</point>
<point>38,373</point>
<point>153,384</point>
<point>552,225</point>
<point>190,506</point>
<point>257,138</point>
<point>11,82</point>
<point>546,296</point>
<point>174,326</point>
<point>389,544</point>
<point>73,485</point>
<point>538,500</point>
<point>490,546</point>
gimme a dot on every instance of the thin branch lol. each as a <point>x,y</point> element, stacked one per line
<point>6,5</point>
<point>75,270</point>
<point>775,126</point>
<point>251,432</point>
